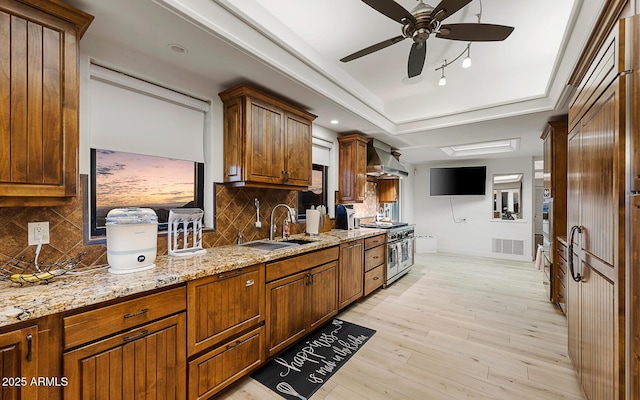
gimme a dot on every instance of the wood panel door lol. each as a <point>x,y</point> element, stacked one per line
<point>351,274</point>
<point>388,190</point>
<point>146,362</point>
<point>322,294</point>
<point>265,142</point>
<point>595,193</point>
<point>298,163</point>
<point>224,305</point>
<point>38,102</point>
<point>634,261</point>
<point>352,160</point>
<point>18,364</point>
<point>286,311</point>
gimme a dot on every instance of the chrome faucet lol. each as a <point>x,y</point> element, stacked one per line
<point>272,226</point>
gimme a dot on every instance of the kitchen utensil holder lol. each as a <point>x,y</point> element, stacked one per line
<point>185,232</point>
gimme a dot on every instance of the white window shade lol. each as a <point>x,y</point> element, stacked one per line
<point>130,115</point>
<point>321,151</point>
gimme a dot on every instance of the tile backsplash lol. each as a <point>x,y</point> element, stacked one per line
<point>235,211</point>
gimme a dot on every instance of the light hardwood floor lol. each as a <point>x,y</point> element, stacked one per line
<point>455,327</point>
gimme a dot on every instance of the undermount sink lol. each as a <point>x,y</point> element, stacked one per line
<point>275,245</point>
<point>268,245</point>
<point>298,241</point>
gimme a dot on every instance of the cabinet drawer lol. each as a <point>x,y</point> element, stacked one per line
<point>290,266</point>
<point>373,279</point>
<point>375,241</point>
<point>373,257</point>
<point>213,371</point>
<point>224,305</point>
<point>561,265</point>
<point>87,326</point>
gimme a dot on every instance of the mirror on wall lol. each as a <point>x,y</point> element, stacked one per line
<point>507,197</point>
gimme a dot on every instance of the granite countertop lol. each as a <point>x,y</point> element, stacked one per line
<point>78,289</point>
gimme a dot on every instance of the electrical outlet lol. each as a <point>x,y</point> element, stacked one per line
<point>38,233</point>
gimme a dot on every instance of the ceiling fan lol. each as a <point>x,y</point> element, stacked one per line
<point>424,20</point>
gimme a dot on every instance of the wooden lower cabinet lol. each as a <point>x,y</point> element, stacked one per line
<point>213,371</point>
<point>146,362</point>
<point>19,363</point>
<point>374,263</point>
<point>224,305</point>
<point>351,279</point>
<point>299,303</point>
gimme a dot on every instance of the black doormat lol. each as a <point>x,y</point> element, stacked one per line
<point>300,371</point>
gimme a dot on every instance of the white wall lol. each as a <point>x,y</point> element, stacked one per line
<point>120,59</point>
<point>433,216</point>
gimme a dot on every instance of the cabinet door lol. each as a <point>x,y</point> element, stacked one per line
<point>298,152</point>
<point>352,169</point>
<point>322,296</point>
<point>388,190</point>
<point>18,364</point>
<point>286,319</point>
<point>212,320</point>
<point>38,105</point>
<point>265,142</point>
<point>351,276</point>
<point>146,362</point>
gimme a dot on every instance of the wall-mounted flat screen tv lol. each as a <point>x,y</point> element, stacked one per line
<point>458,181</point>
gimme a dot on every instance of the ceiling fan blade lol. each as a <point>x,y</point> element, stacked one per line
<point>416,59</point>
<point>447,8</point>
<point>391,9</point>
<point>474,32</point>
<point>371,49</point>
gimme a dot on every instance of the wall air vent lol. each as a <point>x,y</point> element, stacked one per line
<point>507,246</point>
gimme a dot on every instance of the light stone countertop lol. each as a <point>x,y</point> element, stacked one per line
<point>78,289</point>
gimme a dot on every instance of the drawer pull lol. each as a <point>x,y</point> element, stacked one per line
<point>250,282</point>
<point>375,257</point>
<point>375,278</point>
<point>139,335</point>
<point>143,311</point>
<point>236,344</point>
<point>29,348</point>
<point>231,274</point>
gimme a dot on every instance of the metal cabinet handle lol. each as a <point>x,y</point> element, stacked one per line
<point>133,337</point>
<point>143,311</point>
<point>574,229</point>
<point>29,347</point>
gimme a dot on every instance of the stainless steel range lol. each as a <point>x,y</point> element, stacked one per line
<point>400,249</point>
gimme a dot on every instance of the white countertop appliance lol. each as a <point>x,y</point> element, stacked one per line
<point>132,239</point>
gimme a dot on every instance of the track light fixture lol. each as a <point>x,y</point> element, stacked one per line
<point>466,63</point>
<point>443,79</point>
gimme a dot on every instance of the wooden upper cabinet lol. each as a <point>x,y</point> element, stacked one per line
<point>267,142</point>
<point>388,190</point>
<point>39,101</point>
<point>352,162</point>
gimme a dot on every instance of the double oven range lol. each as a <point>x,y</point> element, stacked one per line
<point>400,249</point>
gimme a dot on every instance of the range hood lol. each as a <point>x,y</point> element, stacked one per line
<point>381,163</point>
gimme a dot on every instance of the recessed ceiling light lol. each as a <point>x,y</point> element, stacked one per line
<point>473,149</point>
<point>335,121</point>
<point>178,48</point>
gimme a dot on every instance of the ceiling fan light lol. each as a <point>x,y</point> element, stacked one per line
<point>442,81</point>
<point>466,63</point>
